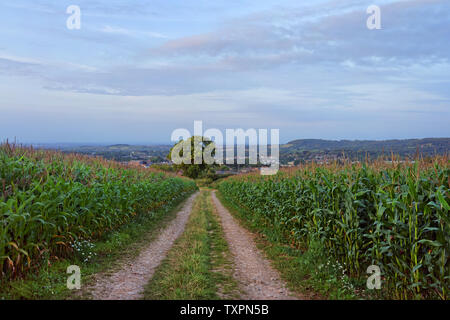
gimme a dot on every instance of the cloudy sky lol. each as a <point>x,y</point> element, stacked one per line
<point>137,70</point>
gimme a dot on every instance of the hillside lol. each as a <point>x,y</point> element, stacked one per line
<point>299,150</point>
<point>310,149</point>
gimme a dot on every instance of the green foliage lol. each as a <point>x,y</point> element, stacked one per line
<point>109,252</point>
<point>313,273</point>
<point>164,167</point>
<point>397,218</point>
<point>49,201</point>
<point>193,165</point>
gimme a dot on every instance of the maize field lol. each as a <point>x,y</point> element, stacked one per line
<point>48,201</point>
<point>392,215</point>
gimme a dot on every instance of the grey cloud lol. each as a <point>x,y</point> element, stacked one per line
<point>13,67</point>
<point>286,49</point>
<point>411,30</point>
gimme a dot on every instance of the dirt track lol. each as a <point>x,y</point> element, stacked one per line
<point>128,282</point>
<point>258,279</point>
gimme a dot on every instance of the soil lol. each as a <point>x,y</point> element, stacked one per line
<point>258,279</point>
<point>129,281</point>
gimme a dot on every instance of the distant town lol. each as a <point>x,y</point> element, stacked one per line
<point>291,154</point>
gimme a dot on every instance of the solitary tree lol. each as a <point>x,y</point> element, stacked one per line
<point>189,156</point>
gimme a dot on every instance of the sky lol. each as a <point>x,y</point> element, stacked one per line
<point>137,70</point>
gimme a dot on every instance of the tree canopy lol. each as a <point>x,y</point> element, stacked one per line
<point>194,164</point>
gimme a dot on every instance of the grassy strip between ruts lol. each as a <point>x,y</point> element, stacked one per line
<point>311,273</point>
<point>105,255</point>
<point>198,266</point>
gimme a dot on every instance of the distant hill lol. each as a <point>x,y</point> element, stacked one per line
<point>297,151</point>
<point>309,149</point>
<point>118,145</point>
<point>124,152</point>
<point>427,144</point>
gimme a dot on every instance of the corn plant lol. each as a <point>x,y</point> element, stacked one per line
<point>395,216</point>
<point>49,201</point>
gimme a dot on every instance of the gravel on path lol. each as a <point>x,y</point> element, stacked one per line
<point>258,279</point>
<point>129,281</point>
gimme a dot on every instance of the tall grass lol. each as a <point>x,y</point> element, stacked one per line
<point>49,200</point>
<point>392,215</point>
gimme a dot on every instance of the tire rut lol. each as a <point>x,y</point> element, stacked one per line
<point>129,281</point>
<point>258,279</point>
